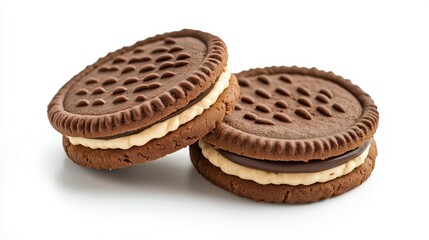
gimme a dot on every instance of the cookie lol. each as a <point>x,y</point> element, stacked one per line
<point>296,135</point>
<point>145,101</point>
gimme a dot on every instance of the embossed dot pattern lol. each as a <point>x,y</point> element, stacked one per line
<point>137,85</point>
<point>292,106</point>
<point>128,79</point>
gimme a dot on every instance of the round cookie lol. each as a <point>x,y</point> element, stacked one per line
<point>144,101</point>
<point>296,135</point>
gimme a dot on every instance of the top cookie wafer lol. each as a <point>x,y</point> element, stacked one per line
<point>296,114</point>
<point>138,85</point>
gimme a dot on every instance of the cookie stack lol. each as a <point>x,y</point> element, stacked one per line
<point>276,134</point>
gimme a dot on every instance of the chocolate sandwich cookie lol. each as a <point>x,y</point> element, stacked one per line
<point>144,101</point>
<point>296,135</point>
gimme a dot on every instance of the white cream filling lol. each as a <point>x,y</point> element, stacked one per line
<point>264,177</point>
<point>160,129</point>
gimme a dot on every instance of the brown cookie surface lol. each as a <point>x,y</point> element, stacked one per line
<point>283,193</point>
<point>185,135</point>
<point>296,114</point>
<point>138,85</point>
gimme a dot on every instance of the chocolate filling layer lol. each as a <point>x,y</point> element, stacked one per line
<point>294,167</point>
<point>191,103</point>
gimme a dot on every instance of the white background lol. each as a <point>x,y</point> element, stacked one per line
<point>383,47</point>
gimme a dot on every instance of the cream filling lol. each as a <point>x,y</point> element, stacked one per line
<point>264,177</point>
<point>160,129</point>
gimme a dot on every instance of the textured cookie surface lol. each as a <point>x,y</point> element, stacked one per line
<point>138,85</point>
<point>291,113</point>
<point>185,135</point>
<point>283,193</point>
